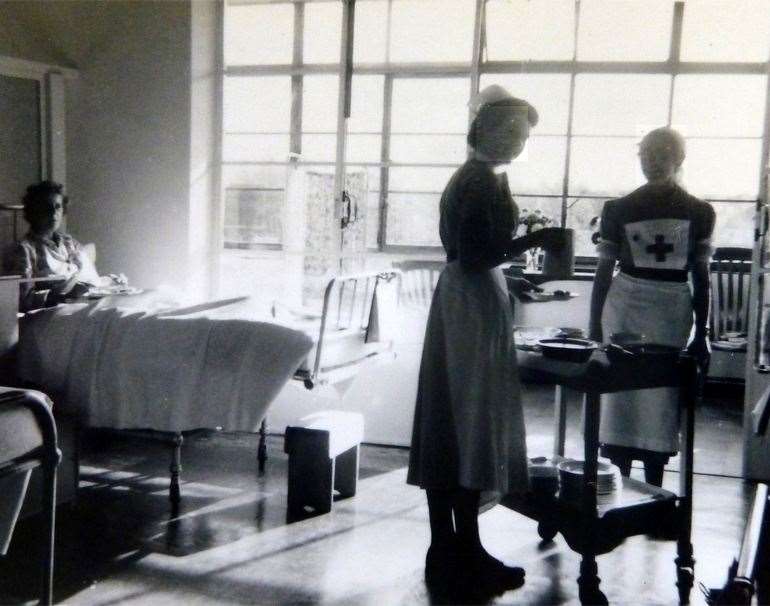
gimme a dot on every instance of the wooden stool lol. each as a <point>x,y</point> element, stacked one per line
<point>323,457</point>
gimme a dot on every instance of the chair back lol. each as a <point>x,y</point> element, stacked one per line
<point>730,283</point>
<point>418,281</point>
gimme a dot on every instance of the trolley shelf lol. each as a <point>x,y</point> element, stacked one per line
<point>637,508</point>
<point>589,525</point>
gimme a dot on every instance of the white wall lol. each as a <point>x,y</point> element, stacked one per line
<point>204,137</point>
<point>139,126</point>
<point>129,143</point>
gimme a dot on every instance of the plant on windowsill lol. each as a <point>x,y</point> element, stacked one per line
<point>595,224</point>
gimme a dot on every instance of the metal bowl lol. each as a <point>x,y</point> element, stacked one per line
<point>567,349</point>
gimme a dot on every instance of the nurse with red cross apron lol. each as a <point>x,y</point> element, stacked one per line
<point>660,236</point>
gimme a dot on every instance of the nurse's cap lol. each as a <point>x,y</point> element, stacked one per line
<point>490,94</point>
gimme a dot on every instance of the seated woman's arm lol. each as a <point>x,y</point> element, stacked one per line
<point>20,263</point>
<point>40,294</point>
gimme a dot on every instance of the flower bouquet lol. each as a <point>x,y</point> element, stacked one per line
<point>532,220</point>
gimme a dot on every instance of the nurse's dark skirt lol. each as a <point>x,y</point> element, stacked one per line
<point>468,424</point>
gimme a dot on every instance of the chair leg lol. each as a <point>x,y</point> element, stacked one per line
<point>174,493</point>
<point>49,511</point>
<point>262,448</point>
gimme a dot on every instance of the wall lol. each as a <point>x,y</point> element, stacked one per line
<point>129,145</point>
<point>204,137</point>
<point>139,127</point>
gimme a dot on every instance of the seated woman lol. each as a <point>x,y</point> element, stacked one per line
<point>45,251</point>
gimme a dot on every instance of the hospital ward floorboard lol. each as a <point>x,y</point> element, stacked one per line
<point>231,544</point>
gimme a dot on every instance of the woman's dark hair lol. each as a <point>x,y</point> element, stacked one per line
<point>491,113</point>
<point>38,194</point>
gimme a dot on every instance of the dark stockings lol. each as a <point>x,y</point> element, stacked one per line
<point>455,547</point>
<point>442,532</point>
<point>454,518</point>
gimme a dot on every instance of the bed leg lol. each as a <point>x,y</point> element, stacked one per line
<point>49,509</point>
<point>262,448</point>
<point>174,493</point>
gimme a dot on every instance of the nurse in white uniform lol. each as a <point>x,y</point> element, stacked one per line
<point>660,236</point>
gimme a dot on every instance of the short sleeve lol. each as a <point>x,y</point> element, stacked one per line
<point>610,233</point>
<point>703,230</point>
<point>19,261</point>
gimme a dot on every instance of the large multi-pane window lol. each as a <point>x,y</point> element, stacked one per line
<point>600,72</point>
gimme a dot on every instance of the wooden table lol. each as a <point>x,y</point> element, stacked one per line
<point>591,528</point>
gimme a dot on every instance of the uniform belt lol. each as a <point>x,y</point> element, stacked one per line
<point>663,275</point>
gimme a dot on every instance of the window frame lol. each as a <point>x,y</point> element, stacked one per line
<point>673,66</point>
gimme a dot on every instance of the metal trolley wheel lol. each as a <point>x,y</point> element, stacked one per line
<point>547,531</point>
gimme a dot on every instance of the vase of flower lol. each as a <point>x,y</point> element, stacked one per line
<point>529,221</point>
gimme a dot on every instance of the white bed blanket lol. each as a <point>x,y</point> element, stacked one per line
<point>122,368</point>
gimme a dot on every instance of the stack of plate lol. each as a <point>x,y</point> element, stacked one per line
<point>608,481</point>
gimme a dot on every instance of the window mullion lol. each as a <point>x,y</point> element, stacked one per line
<point>387,106</point>
<point>295,126</point>
<point>570,118</point>
<point>675,51</point>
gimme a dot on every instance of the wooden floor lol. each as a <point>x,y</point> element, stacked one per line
<point>231,544</point>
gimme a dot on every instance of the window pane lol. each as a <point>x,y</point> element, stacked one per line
<point>372,218</point>
<point>319,104</point>
<point>254,177</point>
<point>580,212</point>
<point>735,224</point>
<point>413,220</point>
<point>630,30</point>
<point>253,217</point>
<point>428,148</point>
<point>722,105</point>
<point>370,37</point>
<point>549,93</point>
<point>723,168</point>
<point>255,148</point>
<point>430,105</point>
<point>620,104</point>
<point>432,180</point>
<point>530,29</point>
<point>323,31</point>
<point>540,168</point>
<point>432,31</point>
<point>363,148</point>
<point>726,30</point>
<point>257,104</point>
<point>604,166</point>
<point>319,148</point>
<point>366,103</point>
<point>259,34</point>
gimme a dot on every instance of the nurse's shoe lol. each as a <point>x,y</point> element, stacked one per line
<point>495,573</point>
<point>443,566</point>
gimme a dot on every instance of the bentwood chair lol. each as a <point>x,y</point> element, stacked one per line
<point>418,281</point>
<point>730,293</point>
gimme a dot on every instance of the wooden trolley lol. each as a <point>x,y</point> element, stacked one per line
<point>592,529</point>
